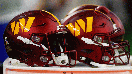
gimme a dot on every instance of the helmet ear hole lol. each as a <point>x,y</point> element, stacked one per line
<point>103,9</point>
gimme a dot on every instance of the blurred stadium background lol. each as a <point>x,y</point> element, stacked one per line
<point>11,8</point>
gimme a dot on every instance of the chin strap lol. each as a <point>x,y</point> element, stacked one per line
<point>62,59</point>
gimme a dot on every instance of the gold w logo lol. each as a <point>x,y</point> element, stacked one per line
<point>15,28</point>
<point>76,31</point>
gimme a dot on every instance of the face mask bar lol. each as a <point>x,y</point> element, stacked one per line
<point>114,53</point>
<point>118,54</point>
<point>124,51</point>
<point>54,45</point>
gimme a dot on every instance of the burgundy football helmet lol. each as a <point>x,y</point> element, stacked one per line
<point>34,37</point>
<point>97,35</point>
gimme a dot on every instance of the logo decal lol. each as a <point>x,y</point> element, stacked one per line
<point>15,27</point>
<point>80,23</point>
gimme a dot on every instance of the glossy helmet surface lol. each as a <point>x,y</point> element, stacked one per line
<point>32,37</point>
<point>97,35</point>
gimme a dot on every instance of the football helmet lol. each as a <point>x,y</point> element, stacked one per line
<point>97,35</point>
<point>34,38</point>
